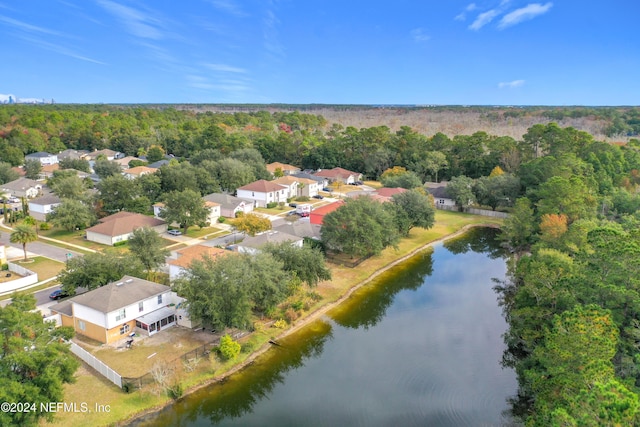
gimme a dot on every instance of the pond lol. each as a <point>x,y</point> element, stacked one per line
<point>419,346</point>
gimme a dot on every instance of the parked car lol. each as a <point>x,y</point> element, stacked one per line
<point>318,196</point>
<point>293,205</point>
<point>56,295</point>
<point>327,189</point>
<point>175,232</point>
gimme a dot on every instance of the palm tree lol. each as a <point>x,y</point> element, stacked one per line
<point>24,234</point>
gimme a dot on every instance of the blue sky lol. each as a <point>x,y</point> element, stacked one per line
<point>499,52</point>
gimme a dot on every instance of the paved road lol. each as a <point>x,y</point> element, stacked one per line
<point>40,248</point>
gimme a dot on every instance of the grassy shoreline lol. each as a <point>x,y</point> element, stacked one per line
<point>129,407</point>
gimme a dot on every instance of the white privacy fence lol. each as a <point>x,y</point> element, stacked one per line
<point>96,364</point>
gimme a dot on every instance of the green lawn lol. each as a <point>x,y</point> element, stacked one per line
<point>45,267</point>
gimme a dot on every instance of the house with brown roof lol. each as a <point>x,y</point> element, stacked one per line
<point>119,227</point>
<point>184,258</point>
<point>283,167</point>
<point>124,161</point>
<point>137,172</point>
<point>263,192</point>
<point>110,313</point>
<point>339,174</point>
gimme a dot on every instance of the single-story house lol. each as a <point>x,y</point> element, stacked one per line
<point>43,157</point>
<point>108,154</point>
<point>41,206</point>
<point>124,161</point>
<point>158,164</point>
<point>119,227</point>
<point>300,228</point>
<point>137,172</point>
<point>229,205</point>
<point>339,174</point>
<point>72,154</point>
<point>252,245</point>
<point>263,192</point>
<point>48,170</point>
<point>317,215</point>
<point>110,313</point>
<point>283,167</point>
<point>441,196</point>
<point>322,182</point>
<point>22,187</point>
<point>184,257</point>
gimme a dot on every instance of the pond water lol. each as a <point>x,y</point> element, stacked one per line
<point>420,346</point>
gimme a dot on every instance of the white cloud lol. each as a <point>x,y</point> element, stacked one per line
<point>419,35</point>
<point>511,85</point>
<point>28,27</point>
<point>228,6</point>
<point>137,22</point>
<point>225,68</point>
<point>483,19</point>
<point>270,28</point>
<point>526,13</point>
<point>470,8</point>
<point>62,50</point>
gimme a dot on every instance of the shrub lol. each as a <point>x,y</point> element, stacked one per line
<point>302,199</point>
<point>229,349</point>
<point>314,296</point>
<point>297,305</point>
<point>272,205</point>
<point>45,226</point>
<point>116,244</point>
<point>222,219</point>
<point>280,324</point>
<point>128,387</point>
<point>290,315</point>
<point>175,391</point>
<point>5,267</point>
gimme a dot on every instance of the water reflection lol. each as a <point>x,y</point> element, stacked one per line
<point>420,346</point>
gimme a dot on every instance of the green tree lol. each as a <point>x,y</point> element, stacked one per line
<point>77,164</point>
<point>307,263</point>
<point>23,234</point>
<point>519,227</point>
<point>251,224</point>
<point>223,291</point>
<point>229,349</point>
<point>461,190</point>
<point>155,153</point>
<point>35,361</point>
<point>118,193</point>
<point>230,173</point>
<point>72,214</point>
<point>146,245</point>
<point>569,196</point>
<point>98,269</point>
<point>7,174</point>
<point>413,209</point>
<point>404,179</point>
<point>185,208</point>
<point>32,169</point>
<point>498,190</point>
<point>105,168</point>
<point>361,227</point>
<point>69,187</point>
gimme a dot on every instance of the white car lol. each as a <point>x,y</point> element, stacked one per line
<point>175,232</point>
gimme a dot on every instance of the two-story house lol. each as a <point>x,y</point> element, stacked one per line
<point>112,312</point>
<point>263,192</point>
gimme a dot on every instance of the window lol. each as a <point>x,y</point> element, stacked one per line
<point>140,306</point>
<point>81,325</point>
<point>122,314</point>
<point>124,329</point>
<point>160,299</point>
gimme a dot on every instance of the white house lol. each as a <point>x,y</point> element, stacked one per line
<point>43,157</point>
<point>441,197</point>
<point>22,187</point>
<point>339,174</point>
<point>119,227</point>
<point>41,206</point>
<point>111,312</point>
<point>263,192</point>
<point>229,205</point>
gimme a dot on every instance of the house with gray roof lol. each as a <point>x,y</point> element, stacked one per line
<point>22,187</point>
<point>112,312</point>
<point>43,157</point>
<point>252,245</point>
<point>41,206</point>
<point>229,205</point>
